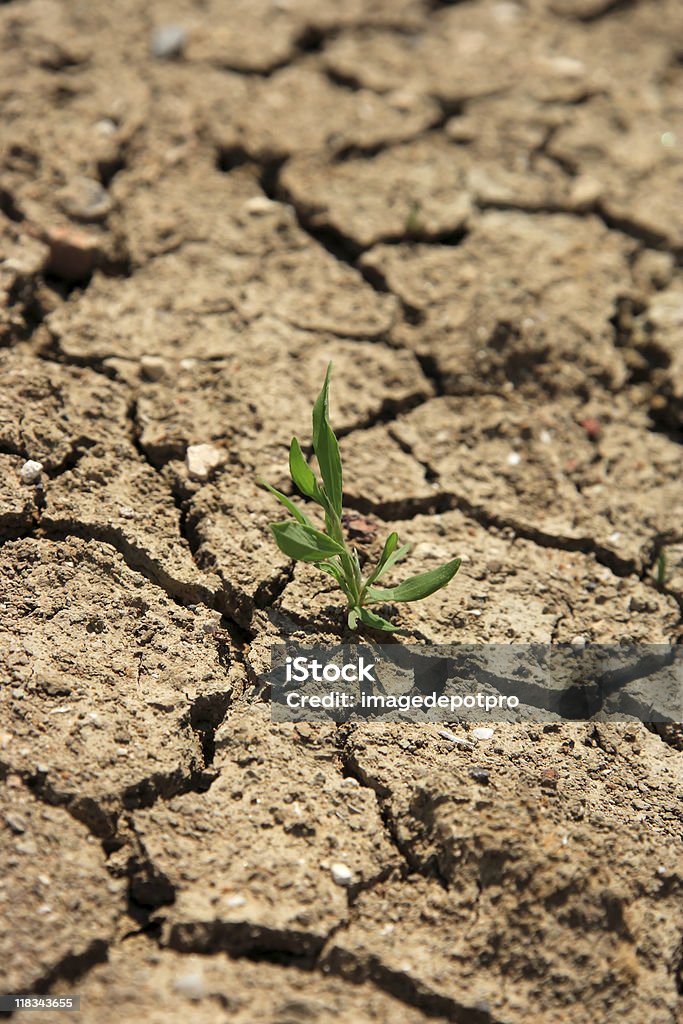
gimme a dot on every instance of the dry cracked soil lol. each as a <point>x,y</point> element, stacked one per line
<point>474,209</point>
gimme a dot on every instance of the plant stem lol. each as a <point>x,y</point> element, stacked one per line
<point>348,563</point>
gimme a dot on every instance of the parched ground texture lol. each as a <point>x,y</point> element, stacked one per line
<point>474,209</point>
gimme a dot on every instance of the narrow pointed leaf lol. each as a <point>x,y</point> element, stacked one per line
<point>369,618</point>
<point>303,542</point>
<point>387,551</point>
<point>338,576</point>
<point>289,505</point>
<point>326,448</point>
<point>394,558</point>
<point>417,587</point>
<point>302,474</point>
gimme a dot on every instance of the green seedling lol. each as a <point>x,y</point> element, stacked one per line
<point>300,539</point>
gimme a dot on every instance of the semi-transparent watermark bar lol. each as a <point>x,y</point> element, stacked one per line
<point>476,682</point>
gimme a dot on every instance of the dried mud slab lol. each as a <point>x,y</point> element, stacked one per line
<point>463,53</point>
<point>635,159</point>
<point>75,422</point>
<point>380,475</point>
<point>428,189</point>
<point>259,36</point>
<point>168,988</point>
<point>299,110</point>
<point>419,189</point>
<point>590,842</point>
<point>522,302</point>
<point>508,590</point>
<point>113,496</point>
<point>52,413</point>
<point>252,403</point>
<point>592,477</point>
<point>154,313</point>
<point>190,201</point>
<point>104,679</point>
<point>59,164</point>
<point>276,792</point>
<point>56,897</point>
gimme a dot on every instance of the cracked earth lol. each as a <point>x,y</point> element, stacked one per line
<point>474,210</point>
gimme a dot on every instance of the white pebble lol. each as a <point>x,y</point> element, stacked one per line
<point>579,641</point>
<point>514,459</point>
<point>152,368</point>
<point>190,985</point>
<point>482,733</point>
<point>341,875</point>
<point>235,901</point>
<point>168,41</point>
<point>202,459</point>
<point>30,471</point>
<point>259,204</point>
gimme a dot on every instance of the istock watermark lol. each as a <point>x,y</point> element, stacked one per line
<point>475,682</point>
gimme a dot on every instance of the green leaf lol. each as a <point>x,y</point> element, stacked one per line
<point>333,570</point>
<point>353,617</point>
<point>326,448</point>
<point>302,474</point>
<point>289,505</point>
<point>369,618</point>
<point>387,551</point>
<point>396,557</point>
<point>417,587</point>
<point>304,542</point>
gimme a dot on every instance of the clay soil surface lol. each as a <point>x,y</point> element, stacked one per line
<point>474,209</point>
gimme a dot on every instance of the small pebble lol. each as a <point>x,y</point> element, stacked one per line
<point>260,204</point>
<point>16,823</point>
<point>152,368</point>
<point>235,901</point>
<point>74,253</point>
<point>190,985</point>
<point>579,641</point>
<point>514,459</point>
<point>480,775</point>
<point>341,875</point>
<point>168,42</point>
<point>30,472</point>
<point>106,126</point>
<point>85,199</point>
<point>202,459</point>
<point>482,733</point>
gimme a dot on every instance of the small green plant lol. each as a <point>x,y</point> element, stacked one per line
<point>300,539</point>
